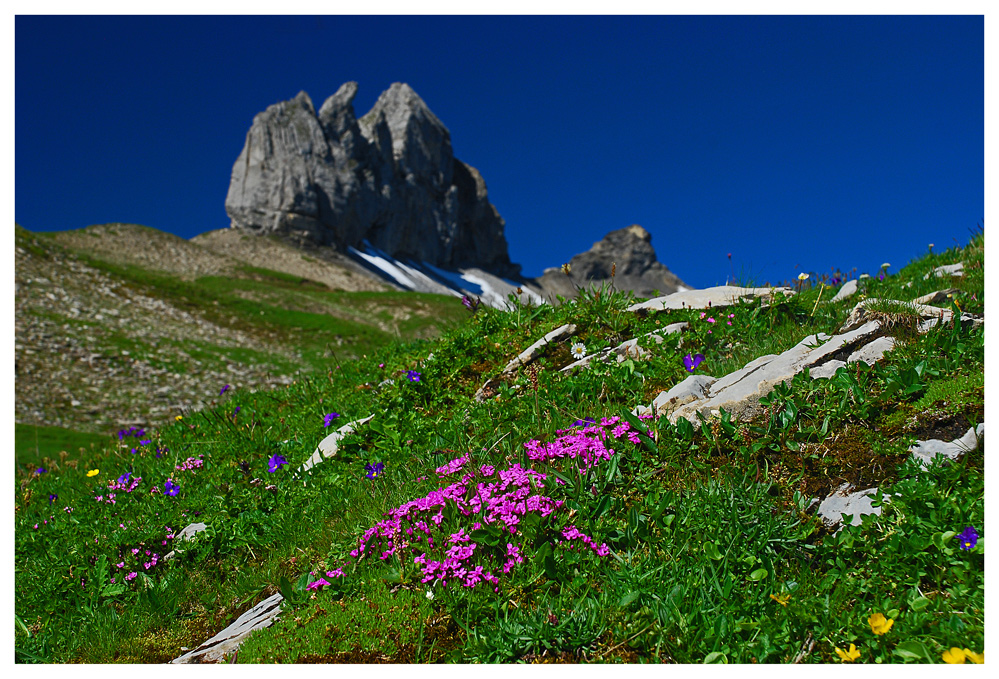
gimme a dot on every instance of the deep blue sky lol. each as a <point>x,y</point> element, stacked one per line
<point>814,142</point>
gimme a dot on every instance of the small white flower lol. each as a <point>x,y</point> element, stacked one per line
<point>578,350</point>
<point>803,276</point>
<point>885,265</point>
<point>430,595</point>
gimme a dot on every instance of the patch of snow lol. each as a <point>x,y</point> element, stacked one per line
<point>428,283</point>
<point>422,276</point>
<point>456,279</point>
<point>384,265</point>
<point>489,295</point>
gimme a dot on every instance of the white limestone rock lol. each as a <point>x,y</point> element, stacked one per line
<point>719,296</point>
<point>739,392</point>
<point>846,500</point>
<point>329,445</point>
<point>528,354</point>
<point>849,288</point>
<point>938,297</point>
<point>826,370</point>
<point>627,349</point>
<point>227,642</point>
<point>926,451</point>
<point>954,270</point>
<point>873,352</point>
<point>691,389</point>
<point>185,535</point>
<point>930,315</point>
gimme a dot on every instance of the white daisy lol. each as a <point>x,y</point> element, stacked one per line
<point>578,350</point>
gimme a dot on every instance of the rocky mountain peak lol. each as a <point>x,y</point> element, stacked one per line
<point>628,254</point>
<point>337,113</point>
<point>389,178</point>
<point>629,248</point>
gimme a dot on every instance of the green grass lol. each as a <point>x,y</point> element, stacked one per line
<point>709,550</point>
<point>32,444</point>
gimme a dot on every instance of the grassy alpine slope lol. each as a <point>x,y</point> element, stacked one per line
<point>123,325</point>
<point>559,539</point>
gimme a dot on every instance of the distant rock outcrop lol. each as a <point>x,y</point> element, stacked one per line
<point>628,254</point>
<point>390,179</point>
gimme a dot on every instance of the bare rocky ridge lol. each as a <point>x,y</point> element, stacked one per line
<point>224,252</point>
<point>72,324</point>
<point>94,351</point>
<point>142,246</point>
<point>322,265</point>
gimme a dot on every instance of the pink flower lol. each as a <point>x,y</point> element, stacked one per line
<point>321,582</point>
<point>711,320</point>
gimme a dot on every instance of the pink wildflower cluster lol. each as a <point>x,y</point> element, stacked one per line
<point>408,530</point>
<point>587,444</point>
<point>191,463</point>
<point>493,499</point>
<point>146,557</point>
<point>321,582</point>
<point>710,319</point>
<point>452,466</point>
<point>572,533</point>
<point>126,485</point>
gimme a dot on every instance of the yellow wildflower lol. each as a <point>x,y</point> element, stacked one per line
<point>93,472</point>
<point>977,658</point>
<point>782,599</point>
<point>848,656</point>
<point>955,656</point>
<point>179,418</point>
<point>879,624</point>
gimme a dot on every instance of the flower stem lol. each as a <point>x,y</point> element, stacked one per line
<point>822,286</point>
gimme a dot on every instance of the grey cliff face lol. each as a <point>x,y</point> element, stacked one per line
<point>390,178</point>
<point>628,253</point>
